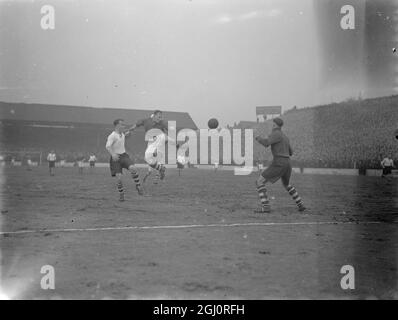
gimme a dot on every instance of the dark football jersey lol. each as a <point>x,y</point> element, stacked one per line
<point>149,124</point>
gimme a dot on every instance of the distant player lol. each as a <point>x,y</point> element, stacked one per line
<point>80,164</point>
<point>280,167</point>
<point>29,164</point>
<point>51,158</point>
<point>216,166</point>
<point>181,158</point>
<point>152,153</point>
<point>92,160</point>
<point>387,164</point>
<point>120,160</point>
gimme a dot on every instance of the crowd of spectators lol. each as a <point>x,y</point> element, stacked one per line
<point>351,134</point>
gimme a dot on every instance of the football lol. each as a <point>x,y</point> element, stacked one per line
<point>212,123</point>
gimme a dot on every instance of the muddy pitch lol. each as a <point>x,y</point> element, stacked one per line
<point>195,236</point>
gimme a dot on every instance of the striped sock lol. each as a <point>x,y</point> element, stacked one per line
<point>156,178</point>
<point>136,178</point>
<point>262,193</point>
<point>156,166</point>
<point>120,189</point>
<point>292,191</point>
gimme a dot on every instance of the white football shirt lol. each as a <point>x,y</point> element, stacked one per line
<point>115,143</point>
<point>387,162</point>
<point>51,157</point>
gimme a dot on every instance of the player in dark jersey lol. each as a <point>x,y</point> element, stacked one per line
<point>280,167</point>
<point>153,154</point>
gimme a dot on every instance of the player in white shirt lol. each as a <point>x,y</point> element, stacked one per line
<point>120,159</point>
<point>387,164</point>
<point>51,158</point>
<point>92,160</point>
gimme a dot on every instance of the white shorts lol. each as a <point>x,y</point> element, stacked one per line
<point>155,150</point>
<point>182,160</point>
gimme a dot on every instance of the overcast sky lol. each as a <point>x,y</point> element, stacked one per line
<point>211,58</point>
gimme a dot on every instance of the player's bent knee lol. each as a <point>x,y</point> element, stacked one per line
<point>150,160</point>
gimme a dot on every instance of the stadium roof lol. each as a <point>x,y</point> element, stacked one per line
<point>86,115</point>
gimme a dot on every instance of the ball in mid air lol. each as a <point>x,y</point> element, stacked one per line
<point>213,123</point>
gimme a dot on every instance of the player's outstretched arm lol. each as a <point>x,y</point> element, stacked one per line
<point>133,127</point>
<point>129,130</point>
<point>262,141</point>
